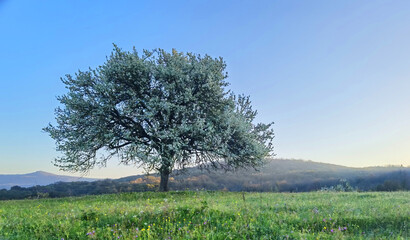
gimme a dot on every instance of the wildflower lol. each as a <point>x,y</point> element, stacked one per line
<point>324,228</point>
<point>331,230</point>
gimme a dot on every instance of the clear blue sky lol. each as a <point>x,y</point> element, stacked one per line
<point>332,75</point>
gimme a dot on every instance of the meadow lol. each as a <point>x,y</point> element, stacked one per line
<point>210,215</point>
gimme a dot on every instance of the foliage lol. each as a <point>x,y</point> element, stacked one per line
<point>210,215</point>
<point>390,185</point>
<point>159,110</point>
<point>343,186</point>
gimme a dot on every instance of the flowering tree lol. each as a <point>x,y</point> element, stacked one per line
<point>159,111</point>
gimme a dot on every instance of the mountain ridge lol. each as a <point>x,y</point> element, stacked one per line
<point>274,171</point>
<point>40,178</point>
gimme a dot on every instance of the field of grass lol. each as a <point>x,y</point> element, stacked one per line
<point>210,215</point>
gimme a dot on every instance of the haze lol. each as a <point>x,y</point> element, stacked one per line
<point>332,75</point>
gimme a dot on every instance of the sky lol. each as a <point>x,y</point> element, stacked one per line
<point>332,75</point>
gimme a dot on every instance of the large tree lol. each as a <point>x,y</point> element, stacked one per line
<point>159,111</point>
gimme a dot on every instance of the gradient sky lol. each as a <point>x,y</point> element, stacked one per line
<point>332,75</point>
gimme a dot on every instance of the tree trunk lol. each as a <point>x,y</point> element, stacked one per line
<point>163,185</point>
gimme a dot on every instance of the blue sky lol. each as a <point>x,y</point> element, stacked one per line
<point>332,75</point>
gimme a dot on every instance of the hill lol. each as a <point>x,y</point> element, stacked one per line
<point>36,178</point>
<point>276,176</point>
<point>285,175</point>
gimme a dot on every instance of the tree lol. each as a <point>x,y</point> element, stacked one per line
<point>159,111</point>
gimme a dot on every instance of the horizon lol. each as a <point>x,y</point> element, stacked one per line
<point>333,76</point>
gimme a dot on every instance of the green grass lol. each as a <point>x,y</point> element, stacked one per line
<point>210,215</point>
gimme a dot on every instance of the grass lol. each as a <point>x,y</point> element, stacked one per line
<point>210,215</point>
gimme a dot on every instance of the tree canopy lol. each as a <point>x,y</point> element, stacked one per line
<point>160,111</point>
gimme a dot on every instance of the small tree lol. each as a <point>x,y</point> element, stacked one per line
<point>159,111</point>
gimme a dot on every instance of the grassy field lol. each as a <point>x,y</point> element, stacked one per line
<point>210,215</point>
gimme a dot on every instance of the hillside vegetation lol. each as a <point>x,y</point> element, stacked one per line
<point>297,176</point>
<point>210,215</point>
<point>275,176</point>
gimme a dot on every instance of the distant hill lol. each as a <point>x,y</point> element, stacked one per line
<point>284,175</point>
<point>280,169</point>
<point>277,175</point>
<point>36,178</point>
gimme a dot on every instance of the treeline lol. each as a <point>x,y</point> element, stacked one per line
<point>297,182</point>
<point>393,181</point>
<point>275,176</point>
<point>67,189</point>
